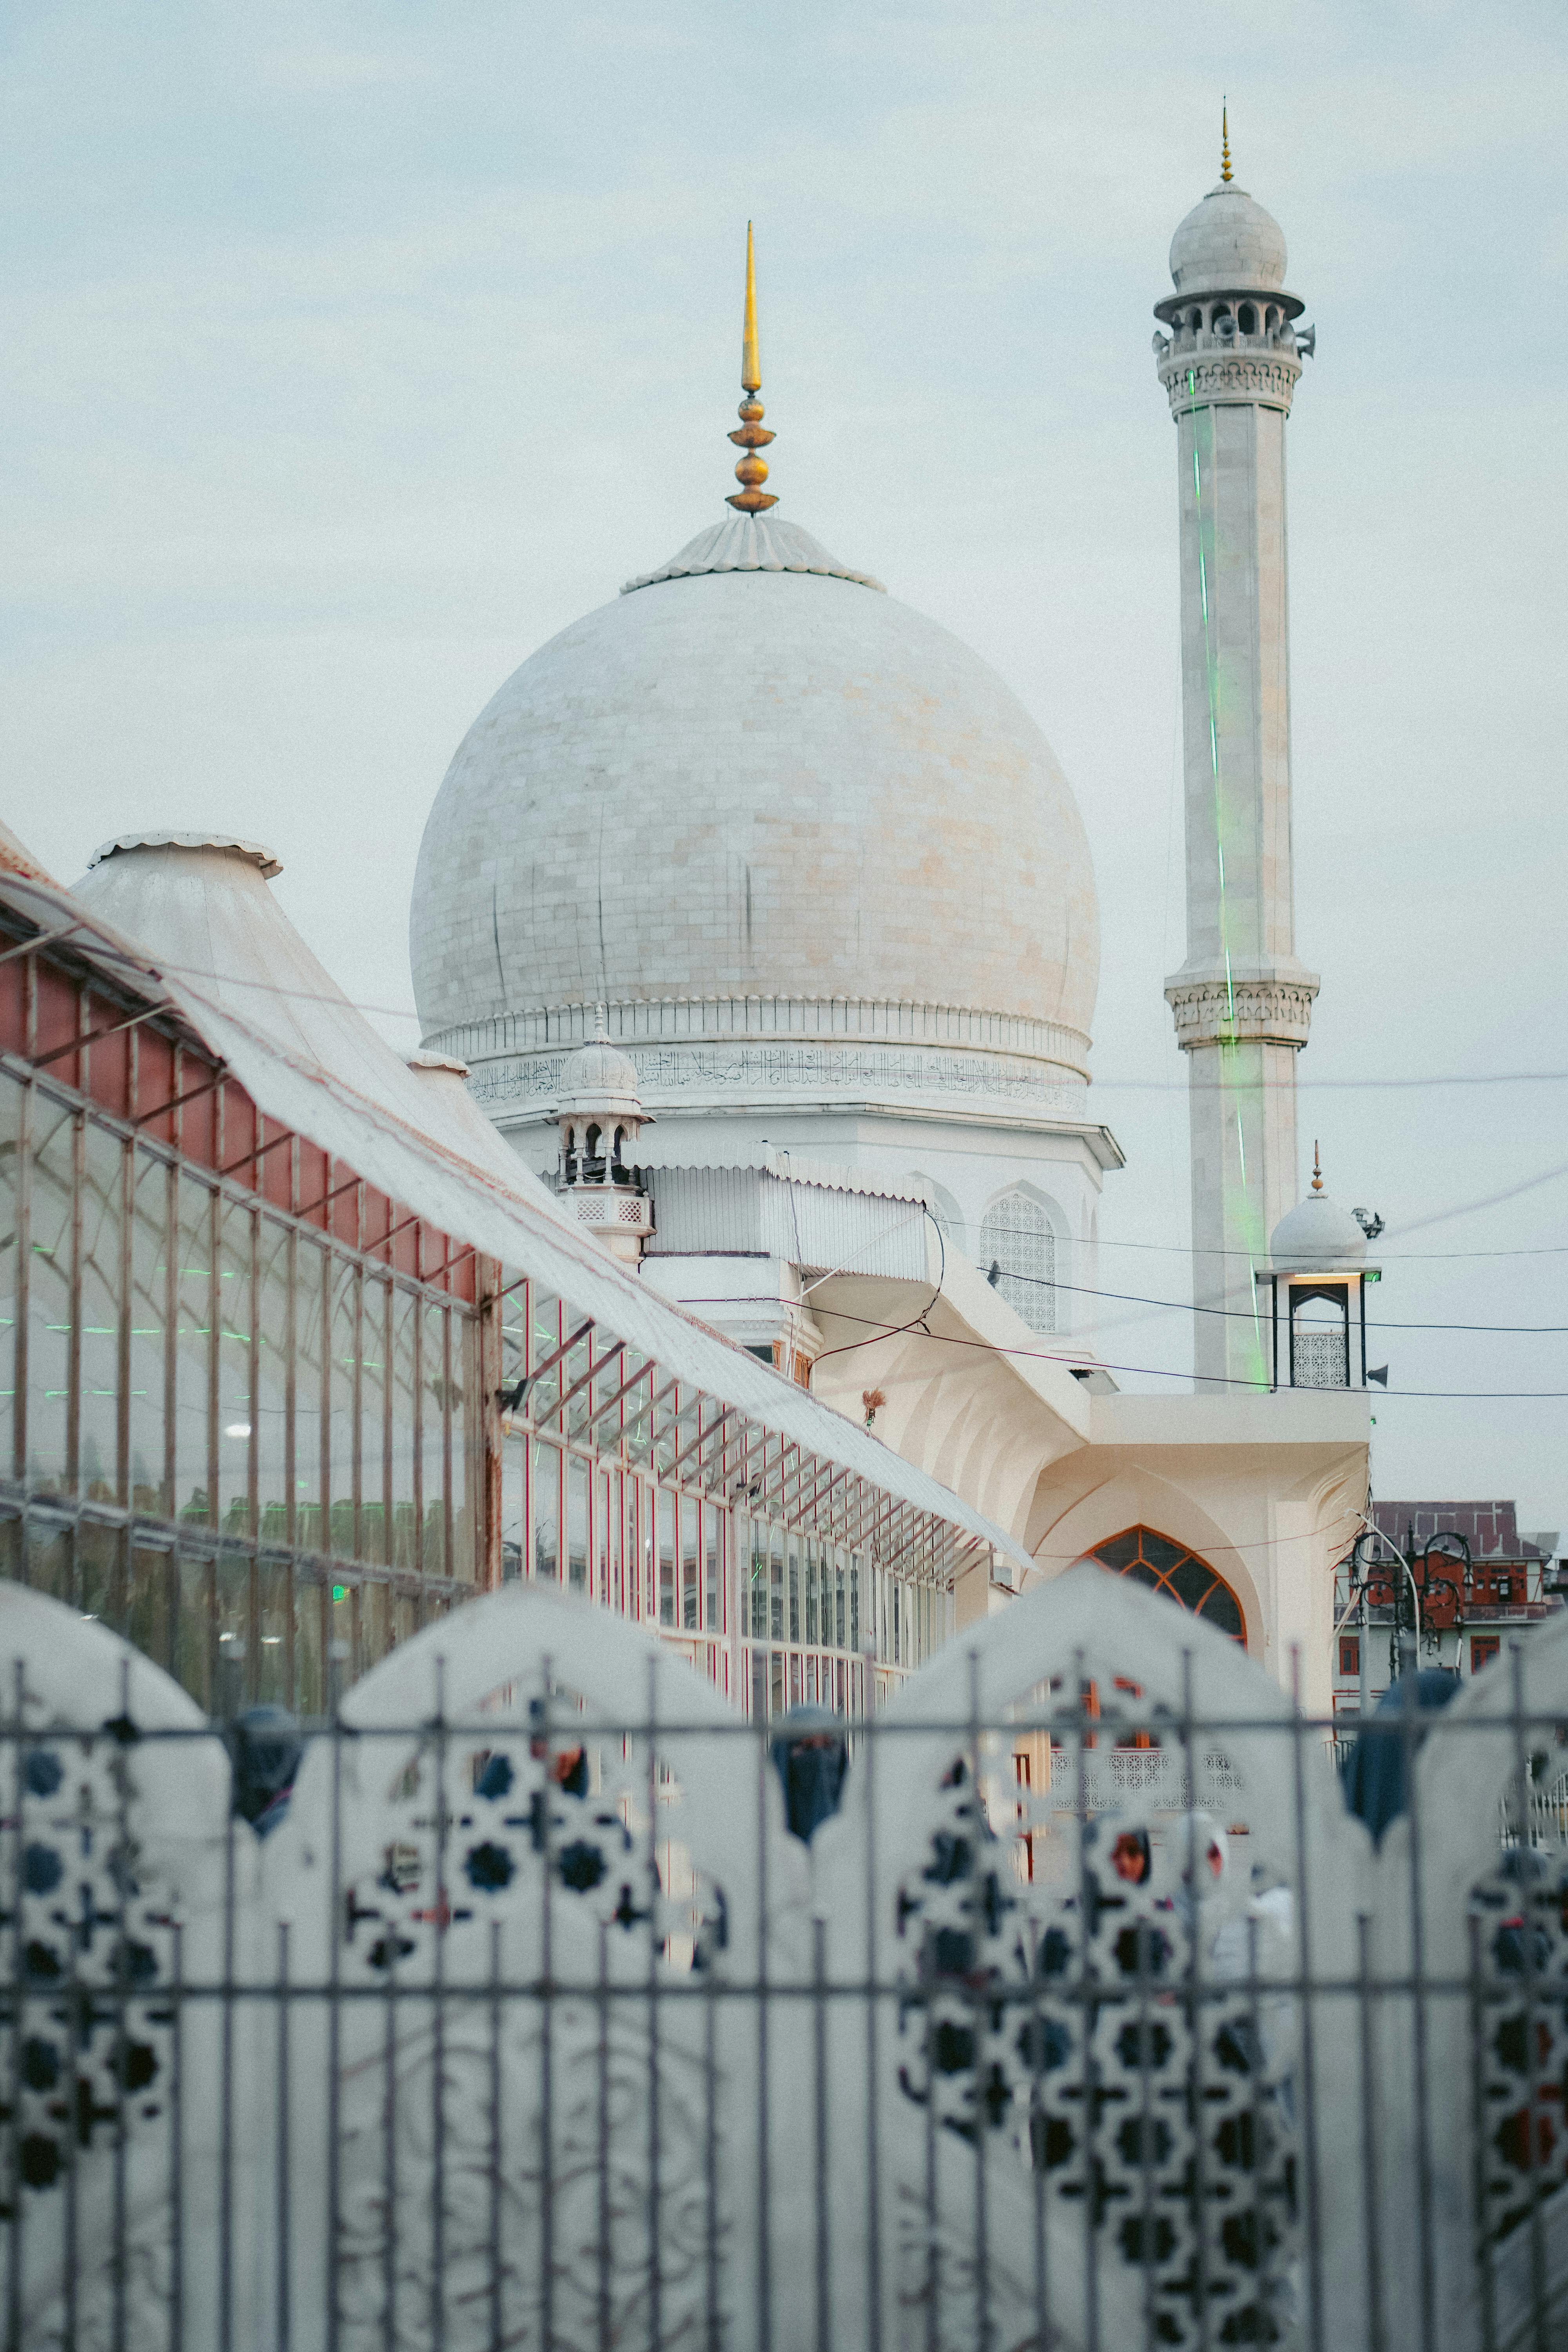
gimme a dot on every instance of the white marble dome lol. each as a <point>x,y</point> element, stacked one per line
<point>1227,245</point>
<point>755,793</point>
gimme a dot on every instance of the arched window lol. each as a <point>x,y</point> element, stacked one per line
<point>1168,1568</point>
<point>1018,1257</point>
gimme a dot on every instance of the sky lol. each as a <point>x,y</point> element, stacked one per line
<point>349,353</point>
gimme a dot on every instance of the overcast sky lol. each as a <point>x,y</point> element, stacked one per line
<point>349,353</point>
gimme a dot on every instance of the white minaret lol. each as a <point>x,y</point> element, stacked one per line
<point>1242,1001</point>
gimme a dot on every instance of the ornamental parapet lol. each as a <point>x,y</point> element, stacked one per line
<point>1228,377</point>
<point>677,1077</point>
<point>633,1023</point>
<point>619,1206</point>
<point>1218,1010</point>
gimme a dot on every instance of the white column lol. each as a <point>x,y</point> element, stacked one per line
<point>1241,1001</point>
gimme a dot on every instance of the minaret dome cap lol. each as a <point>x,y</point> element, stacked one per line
<point>1316,1235</point>
<point>1228,244</point>
<point>598,1080</point>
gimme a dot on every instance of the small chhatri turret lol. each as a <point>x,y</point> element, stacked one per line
<point>1318,1274</point>
<point>752,470</point>
<point>600,1117</point>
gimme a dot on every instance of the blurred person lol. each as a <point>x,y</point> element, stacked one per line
<point>1374,1778</point>
<point>265,1750</point>
<point>810,1758</point>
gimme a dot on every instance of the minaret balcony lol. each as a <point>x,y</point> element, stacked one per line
<point>1228,338</point>
<point>1211,373</point>
<point>621,1208</point>
<point>1220,1008</point>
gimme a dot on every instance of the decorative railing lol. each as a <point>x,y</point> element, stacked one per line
<point>1091,2020</point>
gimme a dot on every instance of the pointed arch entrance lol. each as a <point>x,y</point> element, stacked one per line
<point>1145,1557</point>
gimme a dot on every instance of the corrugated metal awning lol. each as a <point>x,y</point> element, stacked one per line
<point>758,1212</point>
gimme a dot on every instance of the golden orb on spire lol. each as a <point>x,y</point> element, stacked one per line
<point>752,472</point>
<point>1317,1170</point>
<point>1224,171</point>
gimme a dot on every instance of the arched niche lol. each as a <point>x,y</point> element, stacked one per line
<point>1069,1524</point>
<point>1145,1557</point>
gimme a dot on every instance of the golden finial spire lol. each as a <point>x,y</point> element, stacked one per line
<point>751,373</point>
<point>1224,143</point>
<point>752,472</point>
<point>1317,1170</point>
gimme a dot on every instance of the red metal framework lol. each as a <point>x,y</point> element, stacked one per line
<point>140,1063</point>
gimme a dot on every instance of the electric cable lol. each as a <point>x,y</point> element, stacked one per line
<point>1347,1086</point>
<point>1244,1315</point>
<point>336,998</point>
<point>1097,1364</point>
<point>108,953</point>
<point>1416,1226</point>
<point>899,1331</point>
<point>1387,1257</point>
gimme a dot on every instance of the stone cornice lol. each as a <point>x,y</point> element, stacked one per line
<point>698,1076</point>
<point>1229,379</point>
<point>1219,1012</point>
<point>728,1022</point>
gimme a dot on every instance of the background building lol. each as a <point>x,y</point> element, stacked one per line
<point>1469,1608</point>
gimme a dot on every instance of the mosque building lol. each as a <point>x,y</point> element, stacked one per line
<point>757,1024</point>
<point>827,945</point>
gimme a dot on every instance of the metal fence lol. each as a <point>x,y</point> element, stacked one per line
<point>1090,2018</point>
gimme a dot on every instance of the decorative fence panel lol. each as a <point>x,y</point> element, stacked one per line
<point>1090,2020</point>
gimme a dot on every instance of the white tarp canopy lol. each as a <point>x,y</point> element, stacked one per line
<point>477,1205</point>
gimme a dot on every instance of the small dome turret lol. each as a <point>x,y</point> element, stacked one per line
<point>1316,1234</point>
<point>600,1117</point>
<point>1317,1273</point>
<point>598,1081</point>
<point>1227,245</point>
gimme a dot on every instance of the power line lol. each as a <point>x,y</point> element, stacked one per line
<point>1347,1086</point>
<point>1230,1544</point>
<point>1122,1085</point>
<point>1491,1201</point>
<point>1245,1314</point>
<point>146,963</point>
<point>1387,1257</point>
<point>1152,1371</point>
<point>1417,1225</point>
<point>337,999</point>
